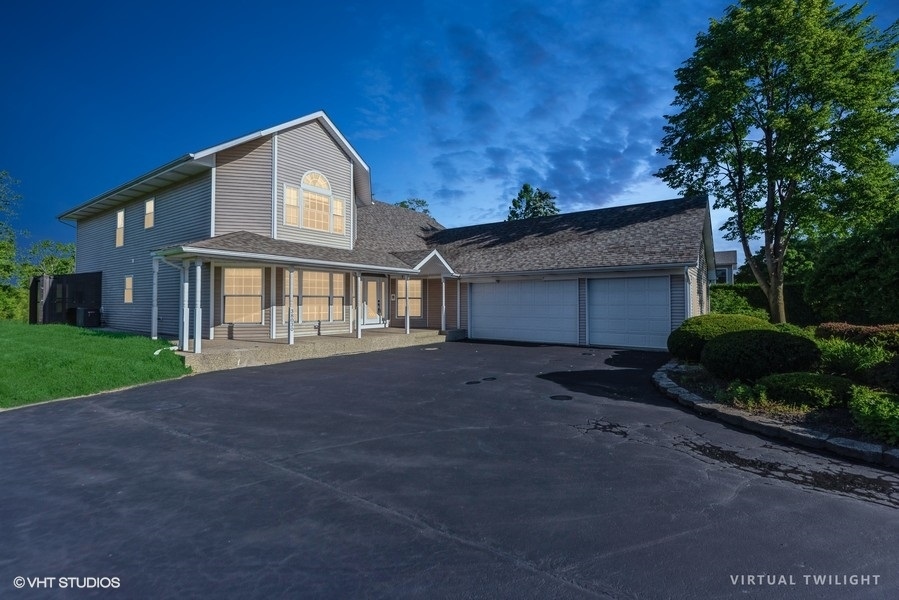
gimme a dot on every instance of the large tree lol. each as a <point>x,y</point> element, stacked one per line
<point>789,112</point>
<point>532,202</point>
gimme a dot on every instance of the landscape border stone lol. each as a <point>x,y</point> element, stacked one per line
<point>803,436</point>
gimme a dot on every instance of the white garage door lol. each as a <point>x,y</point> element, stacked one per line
<point>524,311</point>
<point>629,312</point>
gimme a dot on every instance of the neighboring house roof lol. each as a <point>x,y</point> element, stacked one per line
<point>665,233</point>
<point>194,163</point>
<point>393,228</point>
<point>245,245</point>
<point>725,258</point>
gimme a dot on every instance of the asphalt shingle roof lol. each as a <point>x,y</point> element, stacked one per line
<point>393,228</point>
<point>655,233</point>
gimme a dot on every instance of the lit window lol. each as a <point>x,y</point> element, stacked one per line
<point>149,209</point>
<point>415,298</point>
<point>291,205</point>
<point>321,211</point>
<point>243,295</point>
<point>317,296</point>
<point>129,289</point>
<point>120,228</point>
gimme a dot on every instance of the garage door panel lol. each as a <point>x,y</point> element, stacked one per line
<point>527,311</point>
<point>629,312</point>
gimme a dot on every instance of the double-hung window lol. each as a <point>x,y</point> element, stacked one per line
<point>313,206</point>
<point>120,228</point>
<point>149,213</point>
<point>243,295</point>
<point>415,297</point>
<point>291,205</point>
<point>317,296</point>
<point>129,289</point>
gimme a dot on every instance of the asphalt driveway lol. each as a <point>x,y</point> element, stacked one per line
<point>460,470</point>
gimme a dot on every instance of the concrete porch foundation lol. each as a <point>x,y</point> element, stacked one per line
<point>221,354</point>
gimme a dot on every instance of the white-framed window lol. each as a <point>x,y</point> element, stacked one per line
<point>415,298</point>
<point>291,205</point>
<point>320,210</point>
<point>242,295</point>
<point>149,213</point>
<point>120,228</point>
<point>129,289</point>
<point>317,295</point>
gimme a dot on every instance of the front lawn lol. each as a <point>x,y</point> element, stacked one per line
<point>43,362</point>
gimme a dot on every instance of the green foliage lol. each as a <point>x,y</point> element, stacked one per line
<point>812,390</point>
<point>42,362</point>
<point>752,354</point>
<point>841,357</point>
<point>788,116</point>
<point>416,204</point>
<point>798,263</point>
<point>799,312</point>
<point>726,300</point>
<point>13,303</point>
<point>743,394</point>
<point>886,336</point>
<point>532,202</point>
<point>884,375</point>
<point>687,341</point>
<point>876,413</point>
<point>856,279</point>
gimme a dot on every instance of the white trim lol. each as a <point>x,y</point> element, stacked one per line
<point>442,303</point>
<point>273,325</point>
<point>211,300</point>
<point>432,254</point>
<point>458,303</point>
<point>287,260</point>
<point>185,304</point>
<point>275,187</point>
<point>212,200</point>
<point>154,310</point>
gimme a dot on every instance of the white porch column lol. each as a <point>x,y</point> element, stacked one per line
<point>458,303</point>
<point>359,305</point>
<point>407,304</point>
<point>273,312</point>
<point>290,315</point>
<point>185,304</point>
<point>211,301</point>
<point>442,303</point>
<point>198,307</point>
<point>154,311</point>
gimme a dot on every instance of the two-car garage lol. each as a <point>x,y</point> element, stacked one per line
<point>627,312</point>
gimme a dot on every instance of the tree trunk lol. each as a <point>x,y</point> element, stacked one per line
<point>776,307</point>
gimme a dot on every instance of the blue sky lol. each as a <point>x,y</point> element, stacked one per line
<point>455,102</point>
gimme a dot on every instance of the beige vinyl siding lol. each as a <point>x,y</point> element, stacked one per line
<point>181,213</point>
<point>243,188</point>
<point>306,148</point>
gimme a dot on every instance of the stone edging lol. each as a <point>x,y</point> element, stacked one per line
<point>803,436</point>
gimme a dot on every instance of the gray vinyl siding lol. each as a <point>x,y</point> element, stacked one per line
<point>310,148</point>
<point>182,214</point>
<point>678,301</point>
<point>243,188</point>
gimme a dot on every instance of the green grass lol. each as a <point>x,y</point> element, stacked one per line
<point>43,362</point>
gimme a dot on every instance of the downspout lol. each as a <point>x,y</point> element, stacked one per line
<point>688,306</point>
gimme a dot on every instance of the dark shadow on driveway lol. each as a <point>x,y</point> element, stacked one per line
<point>628,379</point>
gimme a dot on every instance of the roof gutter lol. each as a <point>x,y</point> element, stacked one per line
<point>576,271</point>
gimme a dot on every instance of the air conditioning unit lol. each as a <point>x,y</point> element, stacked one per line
<point>87,317</point>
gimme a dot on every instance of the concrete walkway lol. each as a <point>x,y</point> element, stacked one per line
<point>222,354</point>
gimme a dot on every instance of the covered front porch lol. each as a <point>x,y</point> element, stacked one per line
<point>247,297</point>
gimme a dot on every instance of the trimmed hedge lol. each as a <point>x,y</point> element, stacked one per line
<point>807,389</point>
<point>799,312</point>
<point>840,357</point>
<point>753,354</point>
<point>883,335</point>
<point>687,341</point>
<point>876,413</point>
<point>884,375</point>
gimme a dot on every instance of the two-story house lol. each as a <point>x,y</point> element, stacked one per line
<point>275,234</point>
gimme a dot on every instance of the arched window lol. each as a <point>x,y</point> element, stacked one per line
<point>321,210</point>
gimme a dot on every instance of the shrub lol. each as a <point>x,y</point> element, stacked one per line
<point>687,341</point>
<point>839,357</point>
<point>806,332</point>
<point>726,300</point>
<point>884,375</point>
<point>807,389</point>
<point>752,354</point>
<point>882,335</point>
<point>876,413</point>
